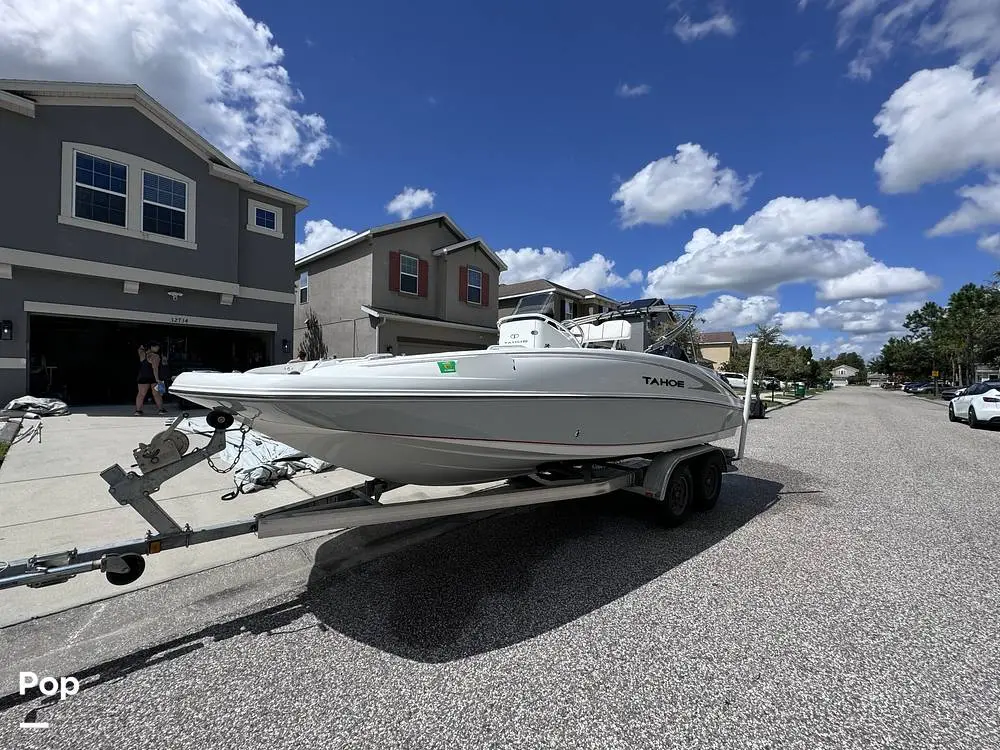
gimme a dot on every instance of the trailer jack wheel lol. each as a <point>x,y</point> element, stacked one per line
<point>124,569</point>
<point>675,508</point>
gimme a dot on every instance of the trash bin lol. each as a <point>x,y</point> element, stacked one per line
<point>800,390</point>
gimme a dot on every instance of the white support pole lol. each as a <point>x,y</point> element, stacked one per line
<point>746,398</point>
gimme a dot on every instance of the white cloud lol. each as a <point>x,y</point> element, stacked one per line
<point>689,182</point>
<point>877,280</point>
<point>530,263</point>
<point>980,208</point>
<point>861,325</point>
<point>732,312</point>
<point>775,246</point>
<point>320,234</point>
<point>204,60</point>
<point>868,345</point>
<point>628,92</point>
<point>798,339</point>
<point>990,243</point>
<point>860,316</point>
<point>795,321</point>
<point>939,124</point>
<point>969,30</point>
<point>795,217</point>
<point>720,23</point>
<point>409,201</point>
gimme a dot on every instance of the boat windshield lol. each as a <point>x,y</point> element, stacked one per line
<point>542,302</point>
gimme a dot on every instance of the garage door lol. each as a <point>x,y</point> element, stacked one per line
<point>424,346</point>
<point>87,361</point>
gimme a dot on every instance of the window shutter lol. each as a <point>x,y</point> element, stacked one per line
<point>394,271</point>
<point>463,283</point>
<point>485,297</point>
<point>423,271</point>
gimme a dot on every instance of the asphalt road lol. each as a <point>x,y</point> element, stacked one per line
<point>844,593</point>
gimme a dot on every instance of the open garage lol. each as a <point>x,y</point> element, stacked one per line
<point>86,362</point>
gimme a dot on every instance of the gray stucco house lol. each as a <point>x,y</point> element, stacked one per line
<point>125,226</point>
<point>413,287</point>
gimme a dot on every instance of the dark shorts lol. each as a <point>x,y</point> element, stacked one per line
<point>146,381</point>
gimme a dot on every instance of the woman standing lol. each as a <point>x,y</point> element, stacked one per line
<point>149,379</point>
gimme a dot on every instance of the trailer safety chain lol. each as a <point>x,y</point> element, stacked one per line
<point>244,429</point>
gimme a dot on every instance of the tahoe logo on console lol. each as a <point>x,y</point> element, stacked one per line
<point>664,382</point>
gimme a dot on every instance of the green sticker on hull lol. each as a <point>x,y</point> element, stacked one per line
<point>446,367</point>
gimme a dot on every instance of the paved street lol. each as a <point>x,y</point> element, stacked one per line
<point>844,593</point>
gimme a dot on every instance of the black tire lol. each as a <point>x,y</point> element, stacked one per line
<point>973,422</point>
<point>951,413</point>
<point>708,482</point>
<point>676,506</point>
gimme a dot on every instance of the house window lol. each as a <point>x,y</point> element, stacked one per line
<point>164,205</point>
<point>100,190</point>
<point>303,287</point>
<point>474,292</point>
<point>409,271</point>
<point>119,193</point>
<point>567,309</point>
<point>264,218</point>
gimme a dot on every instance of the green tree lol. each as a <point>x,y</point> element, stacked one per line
<point>312,346</point>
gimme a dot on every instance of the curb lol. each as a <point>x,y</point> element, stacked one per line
<point>774,407</point>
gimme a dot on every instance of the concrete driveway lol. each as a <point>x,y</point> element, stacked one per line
<point>52,499</point>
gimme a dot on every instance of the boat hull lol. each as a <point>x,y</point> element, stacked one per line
<point>494,415</point>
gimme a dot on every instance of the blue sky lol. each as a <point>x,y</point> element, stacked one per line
<point>740,173</point>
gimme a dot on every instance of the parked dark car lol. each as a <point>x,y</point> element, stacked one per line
<point>949,393</point>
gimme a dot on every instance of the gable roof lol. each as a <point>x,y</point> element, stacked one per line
<point>846,367</point>
<point>21,96</point>
<point>397,226</point>
<point>591,294</point>
<point>717,337</point>
<point>521,288</point>
<point>469,243</point>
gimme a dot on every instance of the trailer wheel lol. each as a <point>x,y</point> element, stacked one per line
<point>708,482</point>
<point>136,565</point>
<point>675,507</point>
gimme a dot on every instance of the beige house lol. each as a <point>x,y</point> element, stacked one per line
<point>414,287</point>
<point>572,303</point>
<point>718,347</point>
<point>842,373</point>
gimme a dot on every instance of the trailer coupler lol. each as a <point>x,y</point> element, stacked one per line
<point>164,457</point>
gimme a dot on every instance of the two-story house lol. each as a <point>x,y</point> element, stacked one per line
<point>717,347</point>
<point>413,287</point>
<point>571,303</point>
<point>123,226</point>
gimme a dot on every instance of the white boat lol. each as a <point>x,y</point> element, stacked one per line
<point>550,392</point>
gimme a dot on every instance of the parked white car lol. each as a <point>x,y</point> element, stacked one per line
<point>737,381</point>
<point>978,404</point>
